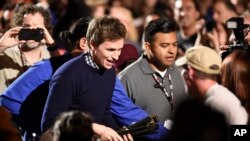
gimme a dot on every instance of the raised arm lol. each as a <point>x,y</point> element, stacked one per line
<point>9,38</point>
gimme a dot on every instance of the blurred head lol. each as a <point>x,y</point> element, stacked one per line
<point>75,38</point>
<point>129,54</point>
<point>235,75</point>
<point>73,126</point>
<point>160,42</point>
<point>187,13</point>
<point>8,13</point>
<point>162,10</point>
<point>126,17</point>
<point>241,6</point>
<point>247,21</point>
<point>223,10</point>
<point>105,38</point>
<point>8,132</point>
<point>195,121</point>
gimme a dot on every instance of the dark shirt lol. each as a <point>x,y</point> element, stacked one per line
<point>185,43</point>
<point>78,86</point>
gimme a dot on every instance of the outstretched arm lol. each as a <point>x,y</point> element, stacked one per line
<point>127,113</point>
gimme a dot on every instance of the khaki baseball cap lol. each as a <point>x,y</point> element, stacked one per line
<point>201,58</point>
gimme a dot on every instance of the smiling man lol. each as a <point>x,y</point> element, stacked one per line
<point>86,83</point>
<point>153,82</point>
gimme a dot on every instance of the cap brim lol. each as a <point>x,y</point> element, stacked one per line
<point>181,61</point>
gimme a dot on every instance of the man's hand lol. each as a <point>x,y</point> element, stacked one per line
<point>48,39</point>
<point>9,38</point>
<point>106,133</point>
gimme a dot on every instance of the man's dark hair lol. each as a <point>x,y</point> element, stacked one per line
<point>162,25</point>
<point>77,30</point>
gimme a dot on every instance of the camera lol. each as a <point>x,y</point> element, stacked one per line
<point>240,30</point>
<point>31,34</point>
<point>145,126</point>
<point>210,25</point>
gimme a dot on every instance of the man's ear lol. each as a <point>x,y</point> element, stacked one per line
<point>148,49</point>
<point>83,44</point>
<point>92,45</point>
<point>147,46</point>
<point>191,72</point>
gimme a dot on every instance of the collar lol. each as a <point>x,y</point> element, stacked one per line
<point>146,69</point>
<point>89,60</point>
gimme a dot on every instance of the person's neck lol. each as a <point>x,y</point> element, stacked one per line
<point>76,53</point>
<point>189,31</point>
<point>203,86</point>
<point>157,68</point>
<point>31,55</point>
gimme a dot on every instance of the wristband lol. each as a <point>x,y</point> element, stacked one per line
<point>52,47</point>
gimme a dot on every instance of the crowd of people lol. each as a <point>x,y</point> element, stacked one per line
<point>84,70</point>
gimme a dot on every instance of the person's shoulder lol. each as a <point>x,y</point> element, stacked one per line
<point>45,52</point>
<point>130,70</point>
<point>42,65</point>
<point>229,93</point>
<point>175,69</point>
<point>225,95</point>
<point>11,51</point>
<point>72,66</point>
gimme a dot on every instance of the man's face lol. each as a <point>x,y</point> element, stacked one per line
<point>32,21</point>
<point>107,53</point>
<point>163,50</point>
<point>221,13</point>
<point>186,13</point>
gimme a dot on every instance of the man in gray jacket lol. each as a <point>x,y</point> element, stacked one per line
<point>153,82</point>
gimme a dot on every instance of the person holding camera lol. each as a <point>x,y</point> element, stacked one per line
<point>219,34</point>
<point>25,43</point>
<point>240,36</point>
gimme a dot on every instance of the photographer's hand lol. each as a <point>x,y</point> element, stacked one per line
<point>47,37</point>
<point>217,37</point>
<point>106,133</point>
<point>223,48</point>
<point>213,39</point>
<point>9,38</point>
